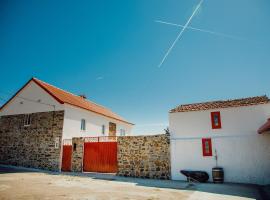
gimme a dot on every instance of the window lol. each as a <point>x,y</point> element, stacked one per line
<point>122,132</point>
<point>215,119</point>
<point>83,124</point>
<point>56,142</point>
<point>207,147</point>
<point>27,120</point>
<point>103,130</point>
<point>112,129</point>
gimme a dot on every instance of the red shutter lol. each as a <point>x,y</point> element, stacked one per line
<point>207,146</point>
<point>215,119</point>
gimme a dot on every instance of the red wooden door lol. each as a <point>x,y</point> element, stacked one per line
<point>100,157</point>
<point>66,158</point>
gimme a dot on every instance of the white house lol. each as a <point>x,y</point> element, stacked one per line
<point>229,129</point>
<point>39,121</point>
<point>82,118</point>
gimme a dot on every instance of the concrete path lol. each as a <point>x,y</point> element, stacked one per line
<point>23,183</point>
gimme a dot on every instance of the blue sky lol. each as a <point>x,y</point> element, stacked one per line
<point>110,51</point>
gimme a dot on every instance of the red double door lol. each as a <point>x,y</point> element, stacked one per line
<point>100,157</point>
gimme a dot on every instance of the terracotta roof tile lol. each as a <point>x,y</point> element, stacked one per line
<point>78,101</point>
<point>221,104</point>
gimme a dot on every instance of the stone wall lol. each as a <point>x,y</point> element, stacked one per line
<point>34,145</point>
<point>144,156</point>
<point>77,154</point>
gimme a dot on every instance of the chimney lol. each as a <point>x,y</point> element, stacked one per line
<point>82,96</point>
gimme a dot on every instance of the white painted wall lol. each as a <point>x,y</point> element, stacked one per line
<point>94,122</point>
<point>33,93</point>
<point>242,152</point>
<point>72,118</point>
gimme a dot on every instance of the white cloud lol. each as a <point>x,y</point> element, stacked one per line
<point>99,78</point>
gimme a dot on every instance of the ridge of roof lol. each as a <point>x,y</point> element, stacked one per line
<point>34,78</point>
<point>63,96</point>
<point>221,104</point>
<point>70,93</point>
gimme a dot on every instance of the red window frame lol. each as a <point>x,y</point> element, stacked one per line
<point>213,114</point>
<point>207,151</point>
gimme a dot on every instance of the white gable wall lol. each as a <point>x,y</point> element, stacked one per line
<point>73,115</point>
<point>242,152</point>
<point>94,122</point>
<point>33,93</point>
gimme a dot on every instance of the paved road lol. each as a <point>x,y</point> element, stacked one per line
<point>20,183</point>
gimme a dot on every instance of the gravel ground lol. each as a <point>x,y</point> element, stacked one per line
<point>16,183</point>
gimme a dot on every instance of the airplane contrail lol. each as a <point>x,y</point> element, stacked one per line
<point>181,32</point>
<point>202,30</point>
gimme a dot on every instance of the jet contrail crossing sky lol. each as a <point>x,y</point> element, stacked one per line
<point>181,33</point>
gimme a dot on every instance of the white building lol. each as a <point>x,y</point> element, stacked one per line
<point>228,128</point>
<point>82,118</point>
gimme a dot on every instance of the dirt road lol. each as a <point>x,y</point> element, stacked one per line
<point>38,185</point>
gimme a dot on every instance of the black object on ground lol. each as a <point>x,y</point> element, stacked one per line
<point>198,176</point>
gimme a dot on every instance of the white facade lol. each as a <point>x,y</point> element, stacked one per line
<point>94,123</point>
<point>33,99</point>
<point>242,152</point>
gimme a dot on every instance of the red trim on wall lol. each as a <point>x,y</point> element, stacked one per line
<point>214,125</point>
<point>207,142</point>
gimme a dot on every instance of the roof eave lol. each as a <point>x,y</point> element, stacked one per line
<point>57,99</point>
<point>49,92</point>
<point>100,114</point>
<point>194,110</point>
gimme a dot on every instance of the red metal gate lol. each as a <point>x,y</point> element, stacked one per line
<point>66,157</point>
<point>100,154</point>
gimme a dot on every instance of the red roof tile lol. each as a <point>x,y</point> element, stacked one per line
<point>78,101</point>
<point>65,97</point>
<point>221,104</point>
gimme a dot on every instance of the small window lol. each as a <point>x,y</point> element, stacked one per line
<point>122,132</point>
<point>56,143</point>
<point>27,120</point>
<point>83,124</point>
<point>207,147</point>
<point>103,130</point>
<point>215,119</point>
<point>112,129</point>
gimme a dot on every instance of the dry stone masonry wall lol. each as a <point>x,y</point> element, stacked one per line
<point>144,156</point>
<point>77,154</point>
<point>34,145</point>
